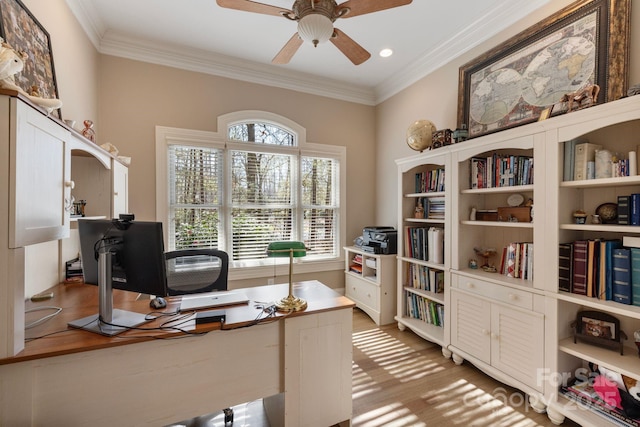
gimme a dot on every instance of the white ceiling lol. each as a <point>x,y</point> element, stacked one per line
<point>199,35</point>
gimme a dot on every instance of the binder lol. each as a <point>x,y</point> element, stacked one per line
<point>580,267</point>
<point>635,276</point>
<point>565,266</point>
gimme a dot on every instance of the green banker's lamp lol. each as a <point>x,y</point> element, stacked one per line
<point>291,249</point>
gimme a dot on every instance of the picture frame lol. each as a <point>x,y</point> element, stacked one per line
<point>20,29</point>
<point>586,43</point>
<point>598,328</point>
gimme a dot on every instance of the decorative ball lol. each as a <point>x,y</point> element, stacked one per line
<point>420,135</point>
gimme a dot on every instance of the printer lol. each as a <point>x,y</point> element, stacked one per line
<point>380,240</point>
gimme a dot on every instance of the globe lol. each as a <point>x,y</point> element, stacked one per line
<point>420,135</point>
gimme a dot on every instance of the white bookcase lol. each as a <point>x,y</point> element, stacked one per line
<point>370,283</point>
<point>423,277</point>
<point>515,329</point>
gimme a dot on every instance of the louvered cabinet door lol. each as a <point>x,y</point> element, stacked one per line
<point>517,343</point>
<point>471,324</point>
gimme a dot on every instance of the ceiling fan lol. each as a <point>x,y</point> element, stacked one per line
<point>315,22</point>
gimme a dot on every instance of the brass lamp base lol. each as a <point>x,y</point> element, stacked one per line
<point>291,303</point>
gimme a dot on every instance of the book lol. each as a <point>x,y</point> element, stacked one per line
<point>565,266</point>
<point>584,393</point>
<point>593,249</point>
<point>622,275</point>
<point>580,267</point>
<point>634,209</point>
<point>606,263</point>
<point>631,241</point>
<point>623,210</point>
<point>635,276</point>
<point>569,156</point>
<point>584,153</point>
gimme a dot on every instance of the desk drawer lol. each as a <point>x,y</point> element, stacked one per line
<point>493,291</point>
<point>362,291</point>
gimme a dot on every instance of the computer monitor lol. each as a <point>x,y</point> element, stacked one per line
<point>121,254</point>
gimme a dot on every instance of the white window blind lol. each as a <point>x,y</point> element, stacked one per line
<point>261,186</point>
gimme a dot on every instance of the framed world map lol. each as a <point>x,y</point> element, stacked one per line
<point>583,44</point>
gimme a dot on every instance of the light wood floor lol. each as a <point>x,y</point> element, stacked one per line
<point>401,380</point>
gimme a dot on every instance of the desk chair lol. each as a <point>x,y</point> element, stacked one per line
<point>191,271</point>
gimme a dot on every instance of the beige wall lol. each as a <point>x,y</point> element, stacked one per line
<point>435,97</point>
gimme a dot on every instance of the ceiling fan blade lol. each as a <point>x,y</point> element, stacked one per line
<point>352,50</point>
<point>361,7</point>
<point>288,50</point>
<point>252,6</point>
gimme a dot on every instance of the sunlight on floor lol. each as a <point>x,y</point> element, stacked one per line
<point>421,399</point>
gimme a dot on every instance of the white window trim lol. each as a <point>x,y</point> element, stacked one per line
<point>166,136</point>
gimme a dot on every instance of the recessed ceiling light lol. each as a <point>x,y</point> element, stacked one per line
<point>385,53</point>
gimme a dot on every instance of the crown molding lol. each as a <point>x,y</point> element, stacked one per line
<point>486,26</point>
<point>494,20</point>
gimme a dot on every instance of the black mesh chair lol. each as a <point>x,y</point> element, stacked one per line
<point>191,271</point>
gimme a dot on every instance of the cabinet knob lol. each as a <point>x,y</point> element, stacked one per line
<point>513,297</point>
<point>470,285</point>
<point>485,332</point>
<point>70,184</point>
<point>115,193</point>
<point>494,336</point>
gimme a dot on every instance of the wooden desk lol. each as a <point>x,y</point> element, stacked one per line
<point>78,378</point>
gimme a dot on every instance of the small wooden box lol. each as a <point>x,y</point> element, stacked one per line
<point>514,214</point>
<point>486,215</point>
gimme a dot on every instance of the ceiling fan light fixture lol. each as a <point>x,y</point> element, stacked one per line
<point>315,28</point>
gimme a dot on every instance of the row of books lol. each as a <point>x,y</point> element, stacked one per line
<point>517,260</point>
<point>424,243</point>
<point>425,278</point>
<point>583,393</point>
<point>430,181</point>
<point>421,308</point>
<point>500,170</point>
<point>599,268</point>
<point>433,207</point>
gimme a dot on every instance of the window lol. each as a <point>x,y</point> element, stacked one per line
<point>258,182</point>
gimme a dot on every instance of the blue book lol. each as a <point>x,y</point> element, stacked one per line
<point>635,276</point>
<point>607,261</point>
<point>634,209</point>
<point>622,275</point>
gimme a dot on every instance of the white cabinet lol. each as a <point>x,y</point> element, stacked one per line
<point>370,283</point>
<point>45,165</point>
<point>40,186</point>
<point>120,186</point>
<point>500,337</point>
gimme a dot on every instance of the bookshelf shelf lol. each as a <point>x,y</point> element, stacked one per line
<point>627,364</point>
<point>498,224</point>
<point>498,190</point>
<point>612,307</point>
<point>425,221</point>
<point>603,182</point>
<point>432,333</point>
<point>429,194</point>
<point>630,229</point>
<point>437,297</point>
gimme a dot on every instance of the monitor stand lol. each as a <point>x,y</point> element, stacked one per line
<point>108,321</point>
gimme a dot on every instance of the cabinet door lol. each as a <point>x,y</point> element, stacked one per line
<point>39,179</point>
<point>517,343</point>
<point>120,182</point>
<point>471,324</point>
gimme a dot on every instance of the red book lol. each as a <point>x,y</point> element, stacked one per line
<point>580,267</point>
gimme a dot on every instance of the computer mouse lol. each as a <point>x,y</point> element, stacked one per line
<point>158,302</point>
